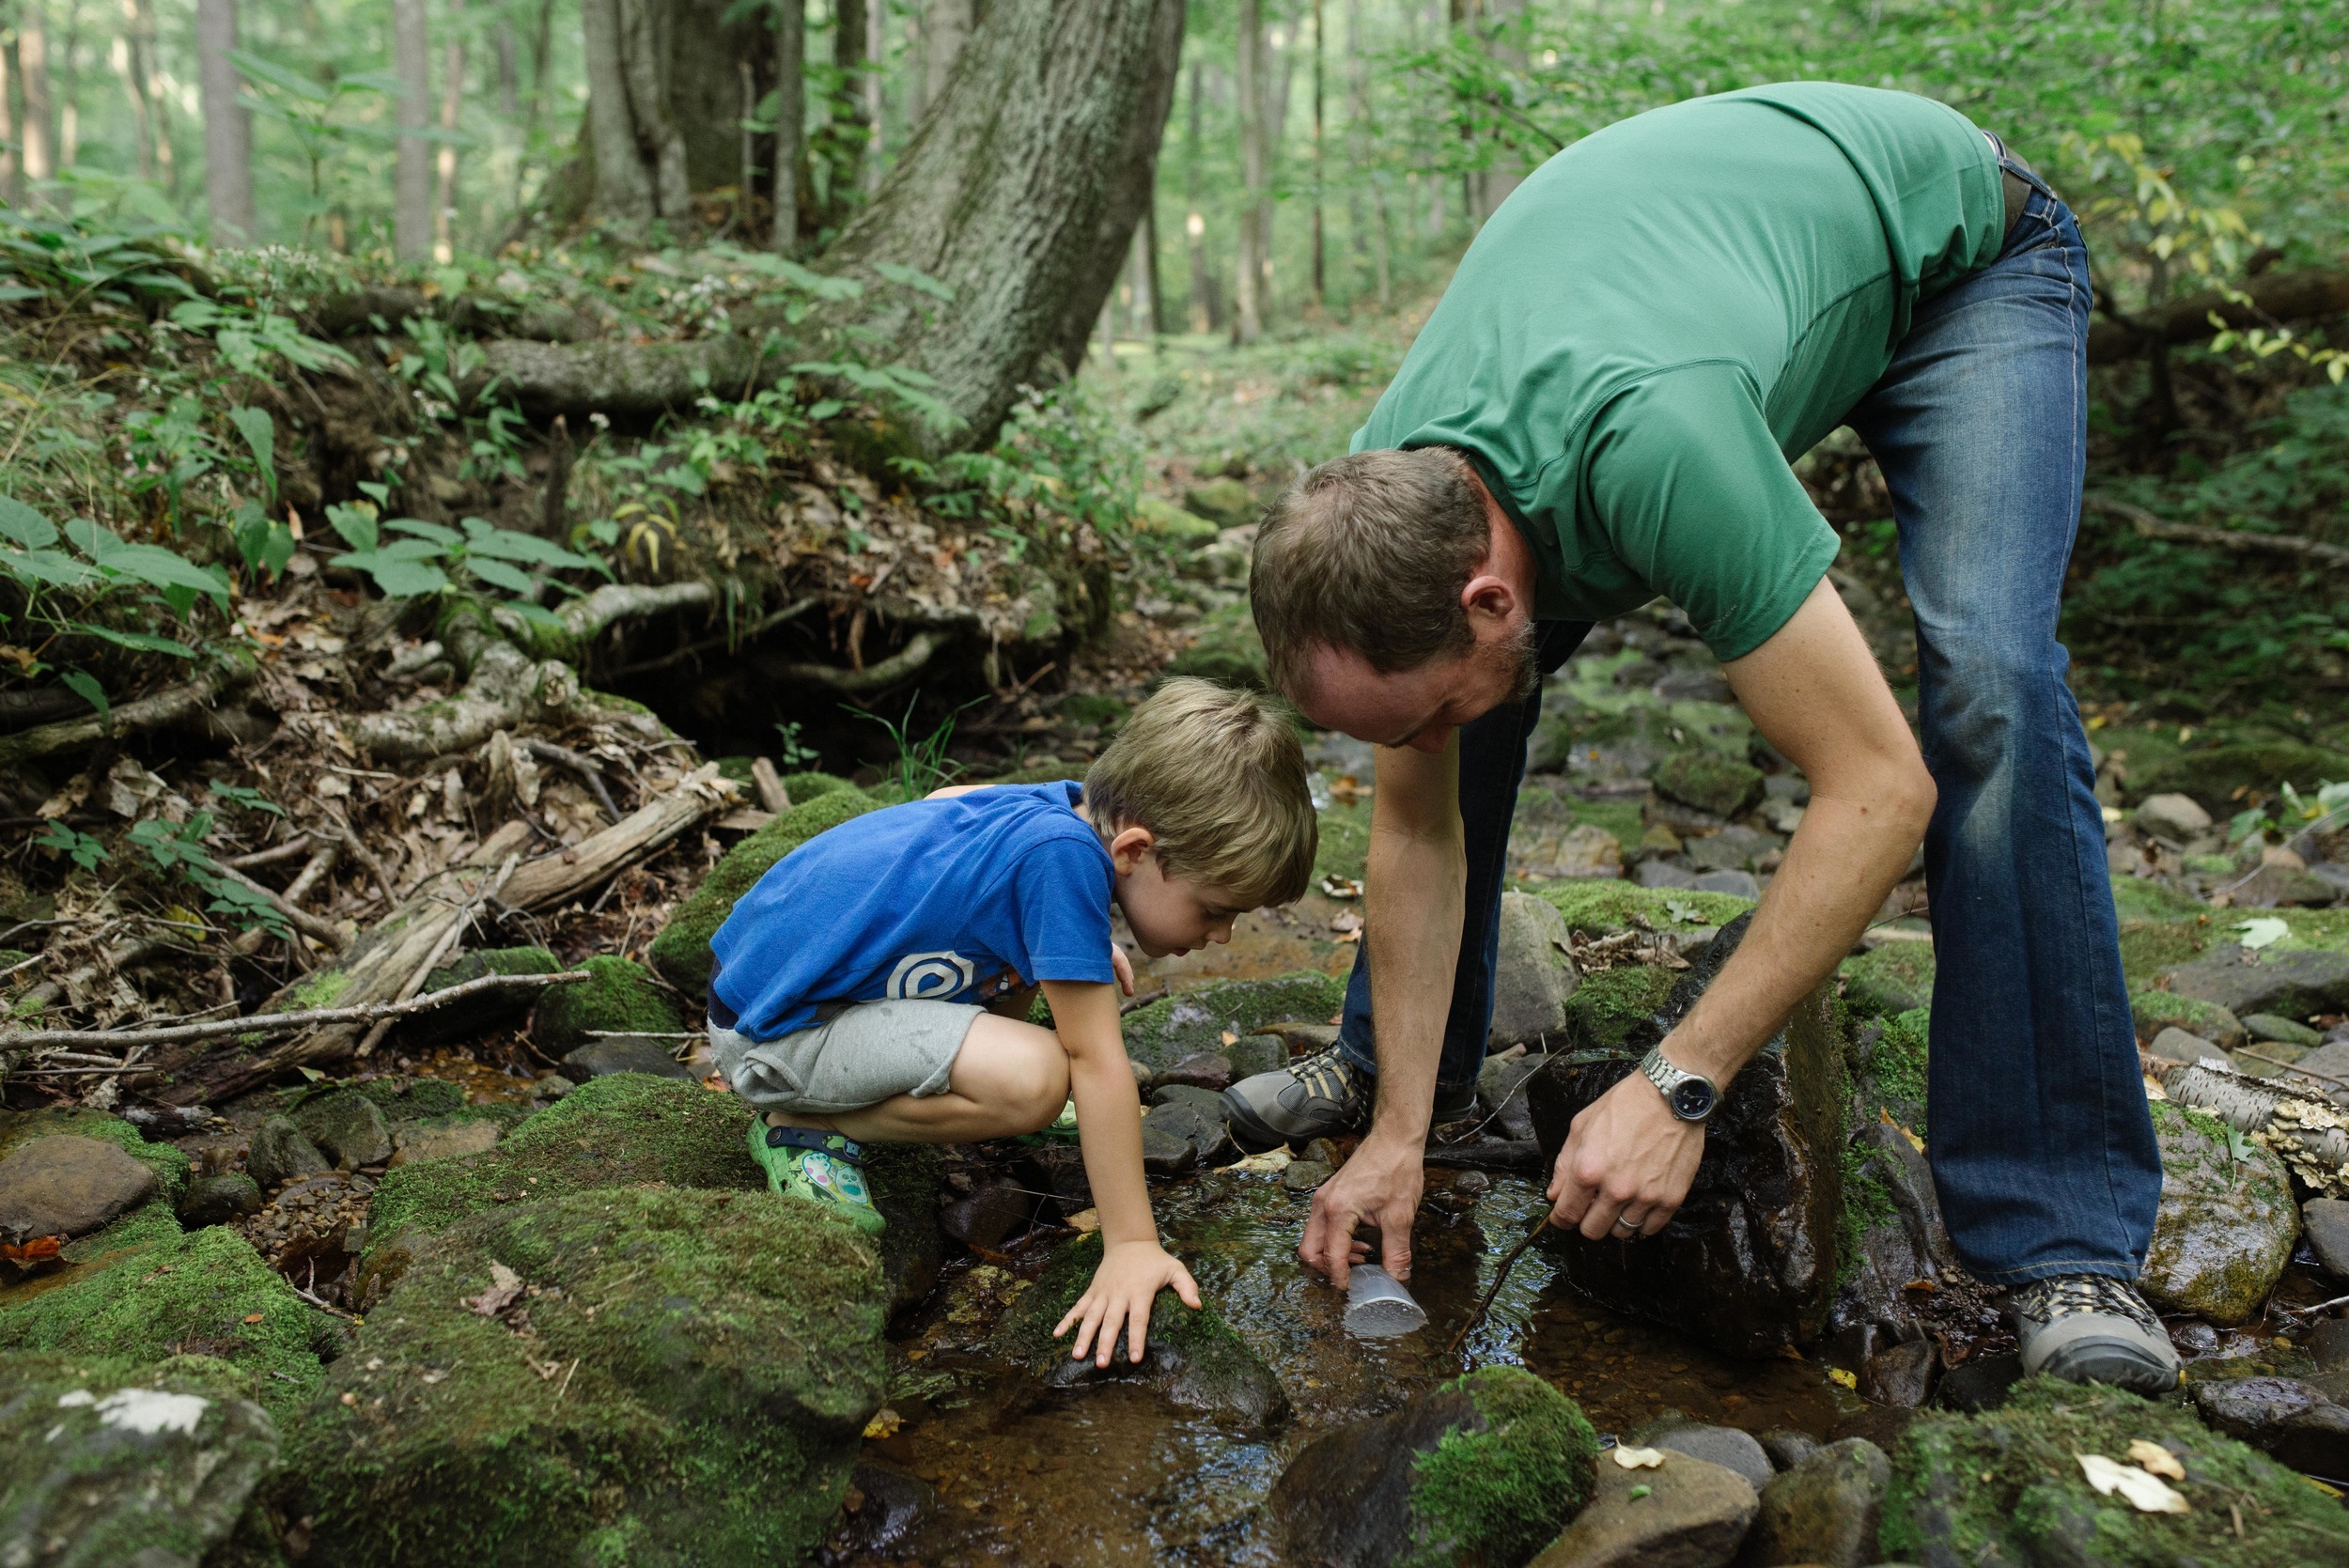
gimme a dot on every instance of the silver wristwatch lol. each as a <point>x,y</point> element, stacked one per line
<point>1690,1096</point>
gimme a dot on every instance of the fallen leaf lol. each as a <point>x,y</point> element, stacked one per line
<point>884,1425</point>
<point>254,1318</point>
<point>1340,887</point>
<point>2264,931</point>
<point>505,1288</point>
<point>1230,1038</point>
<point>1270,1163</point>
<point>1346,922</point>
<point>2147,1493</point>
<point>2155,1459</point>
<point>1640,1459</point>
<point>1086,1222</point>
<point>1841,1378</point>
<point>2154,1090</point>
<point>1641,1491</point>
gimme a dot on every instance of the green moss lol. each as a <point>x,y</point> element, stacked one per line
<point>188,1292</point>
<point>1091,707</point>
<point>412,1099</point>
<point>1225,650</point>
<point>619,996</point>
<point>1603,908</point>
<point>18,1128</point>
<point>2142,898</point>
<point>1607,1004</point>
<point>1706,779</point>
<point>484,962</point>
<point>319,988</point>
<point>1343,848</point>
<point>688,1375</point>
<point>2148,947</point>
<point>2213,776</point>
<point>620,1130</point>
<point>1867,1203</point>
<point>1894,978</point>
<point>2005,1486</point>
<point>1615,814</point>
<point>736,769</point>
<point>1500,1493</point>
<point>681,951</point>
<point>803,787</point>
<point>2155,1011</point>
<point>1195,1020</point>
<point>1895,1071</point>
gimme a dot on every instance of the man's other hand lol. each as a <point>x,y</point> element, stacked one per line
<point>1379,1185</point>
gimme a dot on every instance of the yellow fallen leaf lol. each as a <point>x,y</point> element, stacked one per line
<point>2332,1492</point>
<point>2155,1459</point>
<point>1640,1459</point>
<point>1086,1219</point>
<point>1230,1038</point>
<point>2147,1493</point>
<point>1843,1379</point>
<point>884,1425</point>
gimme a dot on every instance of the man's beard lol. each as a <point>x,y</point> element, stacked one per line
<point>1523,649</point>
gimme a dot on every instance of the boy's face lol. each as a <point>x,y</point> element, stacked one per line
<point>1167,914</point>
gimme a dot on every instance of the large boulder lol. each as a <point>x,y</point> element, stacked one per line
<point>618,997</point>
<point>1189,1022</point>
<point>1749,1262</point>
<point>1826,1510</point>
<point>2295,983</point>
<point>2218,775</point>
<point>1534,975</point>
<point>68,1186</point>
<point>2227,1222</point>
<point>681,951</point>
<point>2296,1423</point>
<point>2007,1486</point>
<point>105,1461</point>
<point>1191,1355</point>
<point>1484,1471</point>
<point>624,1374</point>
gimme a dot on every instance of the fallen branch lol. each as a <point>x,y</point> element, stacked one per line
<point>586,767</point>
<point>447,944</point>
<point>2240,541</point>
<point>505,690</point>
<point>328,934</point>
<point>629,380</point>
<point>590,615</point>
<point>278,1023</point>
<point>2275,296</point>
<point>292,848</point>
<point>875,677</point>
<point>567,872</point>
<point>175,705</point>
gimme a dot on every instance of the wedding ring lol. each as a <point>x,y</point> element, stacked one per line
<point>1624,1223</point>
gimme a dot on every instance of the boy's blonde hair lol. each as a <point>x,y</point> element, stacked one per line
<point>1218,776</point>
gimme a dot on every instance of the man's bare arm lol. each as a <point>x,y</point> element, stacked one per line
<point>1417,889</point>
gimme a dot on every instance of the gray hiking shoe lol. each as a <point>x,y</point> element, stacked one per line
<point>2090,1328</point>
<point>1314,1097</point>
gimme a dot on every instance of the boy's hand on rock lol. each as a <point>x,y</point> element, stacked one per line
<point>1129,1278</point>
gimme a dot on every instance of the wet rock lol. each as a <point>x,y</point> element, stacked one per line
<point>68,1186</point>
<point>2004,1487</point>
<point>348,1128</point>
<point>1894,978</point>
<point>1748,1264</point>
<point>1981,1384</point>
<point>107,1462</point>
<point>1826,1510</point>
<point>1202,1126</point>
<point>1060,1170</point>
<point>1726,1445</point>
<point>1226,503</point>
<point>603,1058</point>
<point>2280,1416</point>
<point>1663,874</point>
<point>711,1357</point>
<point>2267,1026</point>
<point>1143,1075</point>
<point>1183,1093</point>
<point>1733,848</point>
<point>479,1014</point>
<point>1165,1154</point>
<point>2177,818</point>
<point>443,1138</point>
<point>681,951</point>
<point>1899,1377</point>
<point>1686,1513</point>
<point>882,1508</point>
<point>280,1153</point>
<point>1533,975</point>
<point>1710,780</point>
<point>1788,1448</point>
<point>1734,884</point>
<point>2179,1045</point>
<point>1189,1022</point>
<point>2226,1225</point>
<point>218,1200</point>
<point>1305,1176</point>
<point>1485,1470</point>
<point>1264,1051</point>
<point>2293,984</point>
<point>1695,686</point>
<point>620,998</point>
<point>985,1218</point>
<point>2328,1345</point>
<point>1209,1070</point>
<point>1191,1355</point>
<point>1501,1094</point>
<point>2327,1222</point>
<point>2280,887</point>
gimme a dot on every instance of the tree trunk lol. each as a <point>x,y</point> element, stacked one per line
<point>946,28</point>
<point>41,110</point>
<point>11,137</point>
<point>145,61</point>
<point>412,196</point>
<point>845,132</point>
<point>1018,191</point>
<point>1150,233</point>
<point>790,27</point>
<point>1321,282</point>
<point>663,106</point>
<point>509,69</point>
<point>1248,318</point>
<point>124,56</point>
<point>227,125</point>
<point>444,156</point>
<point>1204,313</point>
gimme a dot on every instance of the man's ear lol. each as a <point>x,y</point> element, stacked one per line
<point>1131,846</point>
<point>1488,596</point>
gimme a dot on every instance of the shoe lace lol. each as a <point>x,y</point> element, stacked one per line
<point>1327,1075</point>
<point>2068,1295</point>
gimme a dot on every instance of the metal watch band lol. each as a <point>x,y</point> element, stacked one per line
<point>1690,1096</point>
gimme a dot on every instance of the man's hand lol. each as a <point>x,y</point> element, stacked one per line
<point>1627,1155</point>
<point>1129,1278</point>
<point>1379,1185</point>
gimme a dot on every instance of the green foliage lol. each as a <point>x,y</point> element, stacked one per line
<point>419,562</point>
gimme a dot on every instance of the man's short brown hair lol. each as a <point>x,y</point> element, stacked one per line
<point>1367,554</point>
<point>1218,776</point>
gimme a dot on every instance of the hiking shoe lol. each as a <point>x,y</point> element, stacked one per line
<point>2090,1328</point>
<point>820,1167</point>
<point>1311,1097</point>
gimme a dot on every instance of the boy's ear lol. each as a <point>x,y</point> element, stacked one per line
<point>1131,846</point>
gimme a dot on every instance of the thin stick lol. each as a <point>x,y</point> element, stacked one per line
<point>2290,1067</point>
<point>280,1023</point>
<point>442,948</point>
<point>1500,1277</point>
<point>546,750</point>
<point>298,845</point>
<point>2304,1312</point>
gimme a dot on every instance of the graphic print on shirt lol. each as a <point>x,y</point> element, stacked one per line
<point>929,976</point>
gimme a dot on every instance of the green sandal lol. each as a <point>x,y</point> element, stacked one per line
<point>822,1167</point>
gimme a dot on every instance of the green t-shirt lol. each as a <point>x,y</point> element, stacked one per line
<point>1668,312</point>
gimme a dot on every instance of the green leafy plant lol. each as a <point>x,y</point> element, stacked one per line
<point>922,765</point>
<point>420,562</point>
<point>791,752</point>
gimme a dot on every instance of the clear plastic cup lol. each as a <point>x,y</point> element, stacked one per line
<point>1377,1307</point>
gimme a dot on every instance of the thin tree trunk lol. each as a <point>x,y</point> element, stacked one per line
<point>1145,310</point>
<point>145,62</point>
<point>40,111</point>
<point>541,49</point>
<point>11,133</point>
<point>70,110</point>
<point>227,125</point>
<point>1202,311</point>
<point>1150,264</point>
<point>876,61</point>
<point>444,155</point>
<point>847,132</point>
<point>1248,319</point>
<point>1320,269</point>
<point>411,190</point>
<point>508,68</point>
<point>124,54</point>
<point>790,26</point>
<point>1364,132</point>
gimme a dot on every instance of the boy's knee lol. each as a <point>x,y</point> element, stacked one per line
<point>1044,1087</point>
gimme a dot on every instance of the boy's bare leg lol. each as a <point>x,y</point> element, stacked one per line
<point>1009,1078</point>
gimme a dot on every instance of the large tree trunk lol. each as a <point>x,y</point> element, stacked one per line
<point>227,125</point>
<point>1018,192</point>
<point>412,192</point>
<point>664,106</point>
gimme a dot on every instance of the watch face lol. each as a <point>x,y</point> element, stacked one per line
<point>1692,1099</point>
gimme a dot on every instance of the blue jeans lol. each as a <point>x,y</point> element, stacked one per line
<point>2042,1148</point>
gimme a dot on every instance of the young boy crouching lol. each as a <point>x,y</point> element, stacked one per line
<point>873,985</point>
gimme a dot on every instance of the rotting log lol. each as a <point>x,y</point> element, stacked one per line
<point>635,381</point>
<point>2300,296</point>
<point>568,872</point>
<point>506,689</point>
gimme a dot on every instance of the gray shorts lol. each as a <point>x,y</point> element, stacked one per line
<point>856,1054</point>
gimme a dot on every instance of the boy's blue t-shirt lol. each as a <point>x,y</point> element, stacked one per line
<point>953,900</point>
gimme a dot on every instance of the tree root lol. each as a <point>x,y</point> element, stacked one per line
<point>2275,297</point>
<point>875,677</point>
<point>506,690</point>
<point>188,705</point>
<point>628,380</point>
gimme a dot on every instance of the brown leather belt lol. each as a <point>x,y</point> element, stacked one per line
<point>2017,195</point>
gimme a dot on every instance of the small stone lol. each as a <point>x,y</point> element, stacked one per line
<point>2267,1026</point>
<point>280,1153</point>
<point>2226,1225</point>
<point>1326,1151</point>
<point>1501,1094</point>
<point>1142,1074</point>
<point>890,1505</point>
<point>1209,1070</point>
<point>445,1137</point>
<point>1710,780</point>
<point>348,1127</point>
<point>2327,1222</point>
<point>67,1185</point>
<point>985,1218</point>
<point>1304,1175</point>
<point>1262,1052</point>
<point>1900,1377</point>
<point>2328,1345</point>
<point>1726,1445</point>
<point>1737,884</point>
<point>2177,818</point>
<point>1165,1154</point>
<point>2282,1417</point>
<point>600,1057</point>
<point>1184,1093</point>
<point>1689,1514</point>
<point>1825,1510</point>
<point>218,1200</point>
<point>1788,1448</point>
<point>1203,1127</point>
<point>2178,1046</point>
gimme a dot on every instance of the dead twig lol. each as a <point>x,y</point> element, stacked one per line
<point>2238,540</point>
<point>1500,1277</point>
<point>442,948</point>
<point>326,933</point>
<point>2291,1067</point>
<point>279,1023</point>
<point>586,767</point>
<point>271,856</point>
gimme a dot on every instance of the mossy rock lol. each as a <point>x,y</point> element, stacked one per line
<point>413,1099</point>
<point>1096,709</point>
<point>1703,778</point>
<point>19,1128</point>
<point>1189,1022</point>
<point>2143,898</point>
<point>477,1015</point>
<point>2004,1487</point>
<point>1610,1004</point>
<point>1892,1071</point>
<point>2214,775</point>
<point>1225,650</point>
<point>1595,909</point>
<point>1895,978</point>
<point>1164,520</point>
<point>177,1293</point>
<point>905,1180</point>
<point>627,1129</point>
<point>681,951</point>
<point>2227,1221</point>
<point>1343,848</point>
<point>82,1485</point>
<point>2150,946</point>
<point>686,1380</point>
<point>619,996</point>
<point>2154,1011</point>
<point>1192,1355</point>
